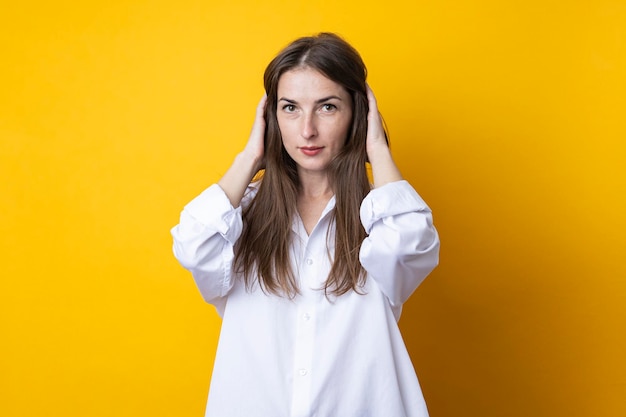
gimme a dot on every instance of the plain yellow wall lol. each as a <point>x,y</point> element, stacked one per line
<point>507,116</point>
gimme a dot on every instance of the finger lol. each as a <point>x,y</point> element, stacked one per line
<point>258,128</point>
<point>373,105</point>
<point>260,108</point>
<point>375,127</point>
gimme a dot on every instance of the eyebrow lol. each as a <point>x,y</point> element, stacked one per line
<point>321,100</point>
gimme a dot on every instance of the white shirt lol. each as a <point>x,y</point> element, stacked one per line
<point>311,356</point>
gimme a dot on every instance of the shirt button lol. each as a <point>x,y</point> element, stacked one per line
<point>302,372</point>
<point>306,316</point>
<point>309,261</point>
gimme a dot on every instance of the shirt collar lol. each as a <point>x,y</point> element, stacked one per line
<point>297,226</point>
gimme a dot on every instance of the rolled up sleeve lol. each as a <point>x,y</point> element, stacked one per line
<point>204,241</point>
<point>402,246</point>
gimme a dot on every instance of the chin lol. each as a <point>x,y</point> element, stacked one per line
<point>313,167</point>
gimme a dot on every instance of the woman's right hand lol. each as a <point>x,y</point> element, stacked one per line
<point>248,162</point>
<point>255,148</point>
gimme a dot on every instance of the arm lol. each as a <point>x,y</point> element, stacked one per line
<point>402,246</point>
<point>248,162</point>
<point>384,169</point>
<point>211,224</point>
<point>204,240</point>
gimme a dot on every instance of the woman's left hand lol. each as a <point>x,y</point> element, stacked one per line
<point>384,169</point>
<point>375,131</point>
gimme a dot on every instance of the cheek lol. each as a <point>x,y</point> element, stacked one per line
<point>284,137</point>
<point>345,129</point>
<point>282,129</point>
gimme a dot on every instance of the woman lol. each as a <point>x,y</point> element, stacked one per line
<point>306,262</point>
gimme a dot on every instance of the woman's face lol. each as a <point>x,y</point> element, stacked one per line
<point>314,114</point>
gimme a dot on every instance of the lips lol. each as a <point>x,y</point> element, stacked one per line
<point>311,150</point>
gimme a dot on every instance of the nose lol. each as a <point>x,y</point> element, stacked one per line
<point>309,128</point>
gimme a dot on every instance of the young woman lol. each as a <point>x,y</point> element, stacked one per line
<point>307,263</point>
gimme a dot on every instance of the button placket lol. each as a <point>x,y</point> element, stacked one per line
<point>303,358</point>
<point>303,370</point>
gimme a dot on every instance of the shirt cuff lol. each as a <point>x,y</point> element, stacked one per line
<point>212,208</point>
<point>391,199</point>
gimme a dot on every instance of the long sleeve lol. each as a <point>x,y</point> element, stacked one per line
<point>402,246</point>
<point>204,240</point>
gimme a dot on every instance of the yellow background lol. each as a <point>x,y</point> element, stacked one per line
<point>507,116</point>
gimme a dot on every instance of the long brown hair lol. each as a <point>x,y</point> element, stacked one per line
<point>262,252</point>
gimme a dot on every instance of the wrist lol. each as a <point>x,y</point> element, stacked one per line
<point>384,169</point>
<point>249,161</point>
<point>378,151</point>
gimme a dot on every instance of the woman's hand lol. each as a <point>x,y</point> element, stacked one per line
<point>384,169</point>
<point>375,131</point>
<point>248,162</point>
<point>255,149</point>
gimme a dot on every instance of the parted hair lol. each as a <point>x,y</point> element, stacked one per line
<point>262,252</point>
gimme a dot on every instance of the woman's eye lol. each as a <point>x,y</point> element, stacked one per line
<point>328,107</point>
<point>289,108</point>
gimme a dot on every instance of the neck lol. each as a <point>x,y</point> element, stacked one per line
<point>315,186</point>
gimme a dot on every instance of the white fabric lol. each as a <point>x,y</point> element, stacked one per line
<point>312,356</point>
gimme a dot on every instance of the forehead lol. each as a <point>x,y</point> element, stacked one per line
<point>307,83</point>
